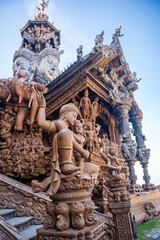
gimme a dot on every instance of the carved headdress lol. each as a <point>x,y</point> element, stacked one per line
<point>49,52</point>
<point>70,107</point>
<point>25,53</point>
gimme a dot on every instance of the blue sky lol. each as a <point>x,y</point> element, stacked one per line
<point>80,22</point>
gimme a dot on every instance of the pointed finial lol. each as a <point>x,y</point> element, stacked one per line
<point>43,6</point>
<point>41,14</point>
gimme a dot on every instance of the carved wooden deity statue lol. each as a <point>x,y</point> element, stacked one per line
<point>113,164</point>
<point>70,181</point>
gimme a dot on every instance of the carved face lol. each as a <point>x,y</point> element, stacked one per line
<point>89,126</point>
<point>21,66</point>
<point>112,151</point>
<point>71,117</point>
<point>78,127</point>
<point>48,67</point>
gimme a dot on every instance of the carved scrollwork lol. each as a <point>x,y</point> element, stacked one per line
<point>89,214</point>
<point>24,203</point>
<point>109,227</point>
<point>77,211</point>
<point>62,211</point>
<point>50,219</point>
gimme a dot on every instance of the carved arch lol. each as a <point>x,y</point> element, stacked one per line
<point>108,120</point>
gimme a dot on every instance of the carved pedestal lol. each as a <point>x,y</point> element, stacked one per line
<point>148,187</point>
<point>94,232</point>
<point>71,214</point>
<point>134,188</point>
<point>119,205</point>
<point>122,220</point>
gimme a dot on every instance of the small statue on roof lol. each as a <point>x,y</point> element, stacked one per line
<point>99,41</point>
<point>135,77</point>
<point>43,6</point>
<point>41,14</point>
<point>79,53</point>
<point>117,34</point>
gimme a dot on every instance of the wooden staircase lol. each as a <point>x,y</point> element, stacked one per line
<point>22,224</point>
<point>21,211</point>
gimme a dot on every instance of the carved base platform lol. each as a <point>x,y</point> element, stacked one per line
<point>148,187</point>
<point>95,232</point>
<point>134,188</point>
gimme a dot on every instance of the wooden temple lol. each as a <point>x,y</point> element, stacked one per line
<point>105,139</point>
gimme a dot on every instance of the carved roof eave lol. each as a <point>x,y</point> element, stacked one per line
<point>75,80</point>
<point>40,22</point>
<point>82,66</point>
<point>74,88</point>
<point>76,71</point>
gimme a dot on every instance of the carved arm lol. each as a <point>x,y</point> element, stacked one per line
<point>41,116</point>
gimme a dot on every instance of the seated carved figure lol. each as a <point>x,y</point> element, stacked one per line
<point>64,142</point>
<point>113,164</point>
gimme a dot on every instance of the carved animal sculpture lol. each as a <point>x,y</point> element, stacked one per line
<point>23,92</point>
<point>89,214</point>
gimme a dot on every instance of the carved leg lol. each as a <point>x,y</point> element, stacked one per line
<point>33,112</point>
<point>65,147</point>
<point>66,164</point>
<point>21,115</point>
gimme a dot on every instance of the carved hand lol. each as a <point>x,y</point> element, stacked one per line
<point>41,100</point>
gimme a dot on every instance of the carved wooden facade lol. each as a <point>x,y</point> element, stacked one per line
<point>99,88</point>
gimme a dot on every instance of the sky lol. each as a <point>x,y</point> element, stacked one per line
<point>80,22</point>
